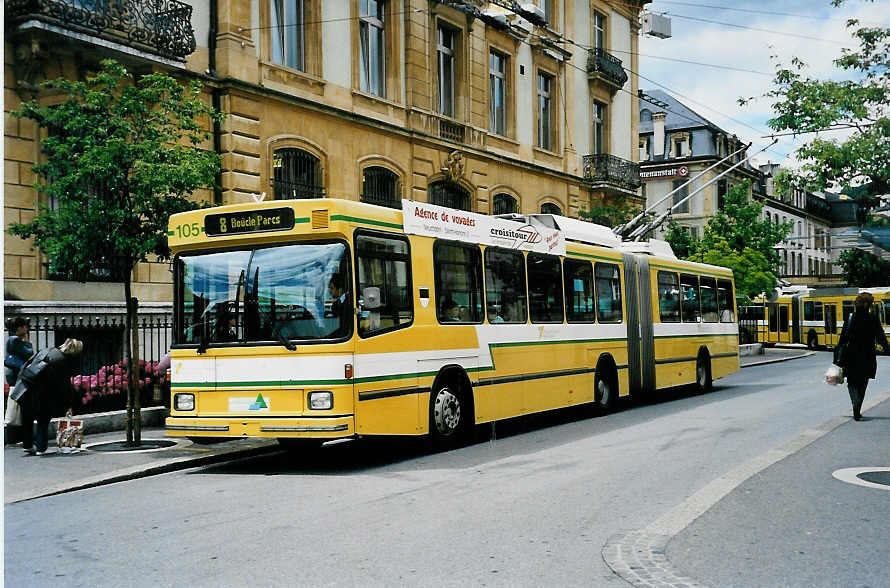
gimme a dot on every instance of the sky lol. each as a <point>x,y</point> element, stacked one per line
<point>713,92</point>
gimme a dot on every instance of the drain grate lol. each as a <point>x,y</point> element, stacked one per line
<point>875,477</point>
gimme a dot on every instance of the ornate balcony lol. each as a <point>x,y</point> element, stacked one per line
<point>605,66</point>
<point>608,171</point>
<point>161,27</point>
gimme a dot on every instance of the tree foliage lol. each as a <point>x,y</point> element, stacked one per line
<point>610,213</point>
<point>739,238</point>
<point>120,156</point>
<point>803,104</point>
<point>864,269</point>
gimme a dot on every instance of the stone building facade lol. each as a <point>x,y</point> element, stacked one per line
<point>487,106</point>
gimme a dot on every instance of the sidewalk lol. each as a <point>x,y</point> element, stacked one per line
<point>777,354</point>
<point>28,476</point>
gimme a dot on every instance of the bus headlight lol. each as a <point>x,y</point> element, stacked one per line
<point>184,401</point>
<point>321,400</point>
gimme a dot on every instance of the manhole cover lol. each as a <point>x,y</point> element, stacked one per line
<point>147,445</point>
<point>870,477</point>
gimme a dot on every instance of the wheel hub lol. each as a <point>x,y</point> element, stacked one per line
<point>446,412</point>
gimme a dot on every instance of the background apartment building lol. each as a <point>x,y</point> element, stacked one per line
<point>493,107</point>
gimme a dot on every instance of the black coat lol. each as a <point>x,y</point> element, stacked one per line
<point>47,380</point>
<point>862,331</point>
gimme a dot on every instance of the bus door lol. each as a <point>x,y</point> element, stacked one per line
<point>795,319</point>
<point>784,325</point>
<point>772,334</point>
<point>830,324</point>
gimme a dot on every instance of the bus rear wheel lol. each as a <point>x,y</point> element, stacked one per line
<point>703,373</point>
<point>604,392</point>
<point>449,415</point>
<point>812,341</point>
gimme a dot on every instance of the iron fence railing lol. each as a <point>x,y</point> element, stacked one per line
<point>612,170</point>
<point>163,27</point>
<point>601,62</point>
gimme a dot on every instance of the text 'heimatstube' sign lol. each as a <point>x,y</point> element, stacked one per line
<point>421,218</point>
<point>249,221</point>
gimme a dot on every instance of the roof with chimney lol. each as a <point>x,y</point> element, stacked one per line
<point>678,117</point>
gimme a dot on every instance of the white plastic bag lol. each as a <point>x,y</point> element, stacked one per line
<point>834,375</point>
<point>13,413</point>
<point>70,436</point>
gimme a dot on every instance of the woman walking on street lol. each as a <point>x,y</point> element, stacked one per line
<point>862,331</point>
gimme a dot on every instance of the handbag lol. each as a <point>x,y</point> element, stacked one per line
<point>13,362</point>
<point>69,437</point>
<point>13,413</point>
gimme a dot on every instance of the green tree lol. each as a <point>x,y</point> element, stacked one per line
<point>864,269</point>
<point>610,214</point>
<point>803,105</point>
<point>739,238</point>
<point>121,156</point>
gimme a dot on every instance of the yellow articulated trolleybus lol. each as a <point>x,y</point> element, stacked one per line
<point>313,320</point>
<point>813,316</point>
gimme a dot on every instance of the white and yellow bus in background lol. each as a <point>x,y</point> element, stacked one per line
<point>814,317</point>
<point>325,319</point>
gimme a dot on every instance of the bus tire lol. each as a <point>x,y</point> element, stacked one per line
<point>812,341</point>
<point>703,381</point>
<point>451,413</point>
<point>605,386</point>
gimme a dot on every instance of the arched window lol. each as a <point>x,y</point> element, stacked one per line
<point>645,114</point>
<point>550,208</point>
<point>381,186</point>
<point>297,174</point>
<point>504,204</point>
<point>450,195</point>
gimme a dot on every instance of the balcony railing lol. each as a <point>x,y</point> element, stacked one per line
<point>451,131</point>
<point>285,190</point>
<point>608,169</point>
<point>605,65</point>
<point>162,27</point>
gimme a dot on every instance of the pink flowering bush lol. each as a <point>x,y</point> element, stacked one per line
<point>107,389</point>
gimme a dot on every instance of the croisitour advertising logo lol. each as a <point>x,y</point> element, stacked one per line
<point>516,238</point>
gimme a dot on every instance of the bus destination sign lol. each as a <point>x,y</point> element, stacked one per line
<point>249,221</point>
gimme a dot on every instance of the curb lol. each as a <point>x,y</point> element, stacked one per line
<point>142,471</point>
<point>777,360</point>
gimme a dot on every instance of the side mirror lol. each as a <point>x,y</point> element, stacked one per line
<point>371,297</point>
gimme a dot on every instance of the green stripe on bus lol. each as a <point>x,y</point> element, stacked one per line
<point>366,221</point>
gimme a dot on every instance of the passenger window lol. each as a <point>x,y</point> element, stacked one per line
<point>579,291</point>
<point>384,284</point>
<point>458,270</point>
<point>809,311</point>
<point>608,293</point>
<point>817,315</point>
<point>726,301</point>
<point>505,297</point>
<point>691,306</point>
<point>773,317</point>
<point>544,288</point>
<point>846,309</point>
<point>708,288</point>
<point>668,297</point>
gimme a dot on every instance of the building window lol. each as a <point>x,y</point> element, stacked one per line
<point>288,33</point>
<point>373,49</point>
<point>497,69</point>
<point>599,30</point>
<point>445,52</point>
<point>644,150</point>
<point>296,174</point>
<point>681,147</point>
<point>599,128</point>
<point>550,208</point>
<point>721,194</point>
<point>545,140</point>
<point>381,186</point>
<point>546,8</point>
<point>680,194</point>
<point>504,204</point>
<point>450,195</point>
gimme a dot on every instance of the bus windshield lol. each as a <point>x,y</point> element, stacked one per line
<point>282,293</point>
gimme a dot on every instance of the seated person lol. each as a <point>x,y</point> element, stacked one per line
<point>338,294</point>
<point>450,311</point>
<point>493,316</point>
<point>464,314</point>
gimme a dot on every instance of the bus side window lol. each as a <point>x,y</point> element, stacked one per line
<point>817,315</point>
<point>709,299</point>
<point>579,291</point>
<point>384,263</point>
<point>691,305</point>
<point>725,301</point>
<point>668,297</point>
<point>846,309</point>
<point>809,310</point>
<point>505,286</point>
<point>831,318</point>
<point>458,270</point>
<point>544,288</point>
<point>608,293</point>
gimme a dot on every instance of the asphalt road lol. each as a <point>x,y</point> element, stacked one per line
<point>532,502</point>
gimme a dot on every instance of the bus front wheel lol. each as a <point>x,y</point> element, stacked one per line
<point>605,391</point>
<point>812,341</point>
<point>703,373</point>
<point>449,414</point>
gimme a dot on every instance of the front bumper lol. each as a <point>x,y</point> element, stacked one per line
<point>294,428</point>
